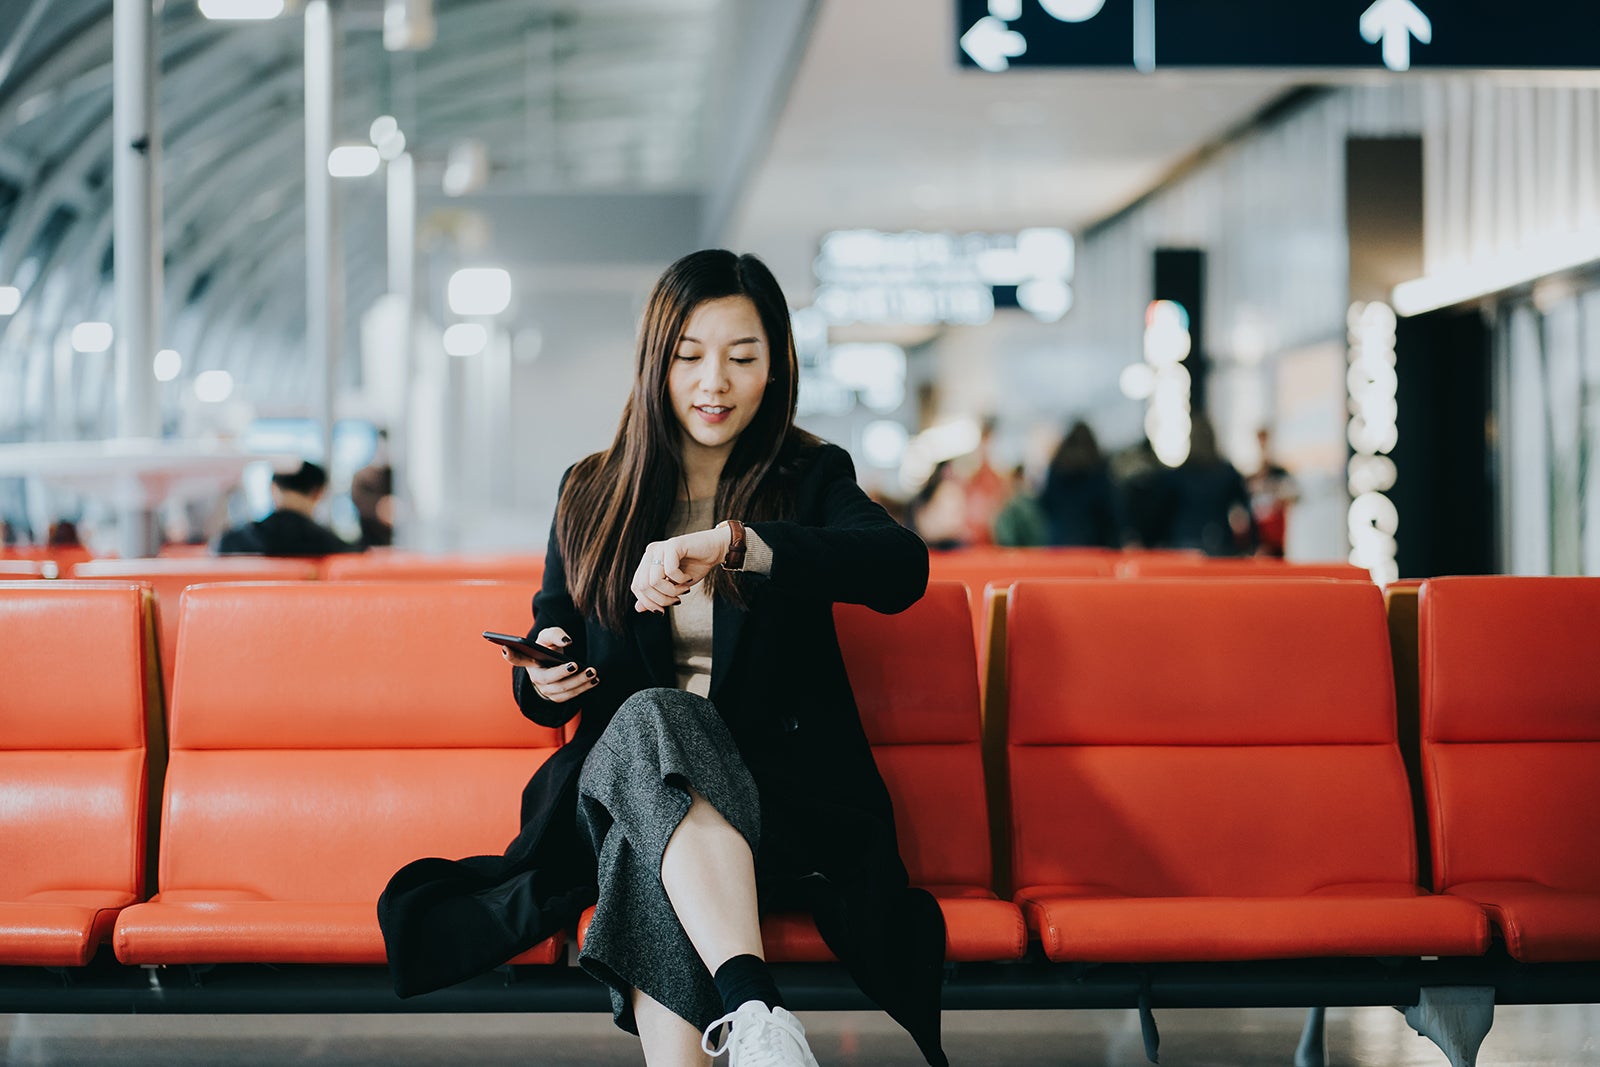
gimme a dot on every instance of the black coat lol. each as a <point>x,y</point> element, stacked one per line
<point>779,680</point>
<point>283,533</point>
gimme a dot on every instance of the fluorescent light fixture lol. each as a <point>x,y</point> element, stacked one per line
<point>353,161</point>
<point>480,291</point>
<point>168,364</point>
<point>1490,275</point>
<point>241,10</point>
<point>467,169</point>
<point>883,443</point>
<point>466,339</point>
<point>213,386</point>
<point>408,25</point>
<point>1137,381</point>
<point>10,299</point>
<point>92,336</point>
<point>1046,299</point>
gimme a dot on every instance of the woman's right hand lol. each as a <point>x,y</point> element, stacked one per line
<point>555,684</point>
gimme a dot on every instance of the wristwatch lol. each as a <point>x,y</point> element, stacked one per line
<point>734,560</point>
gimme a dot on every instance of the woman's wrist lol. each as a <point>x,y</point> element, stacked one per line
<point>733,551</point>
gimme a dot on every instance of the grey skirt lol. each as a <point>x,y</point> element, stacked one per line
<point>632,794</point>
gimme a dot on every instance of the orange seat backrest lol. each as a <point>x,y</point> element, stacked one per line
<point>1182,738</point>
<point>1145,566</point>
<point>981,567</point>
<point>915,679</point>
<point>170,577</point>
<point>391,566</point>
<point>324,735</point>
<point>1511,729</point>
<point>72,737</point>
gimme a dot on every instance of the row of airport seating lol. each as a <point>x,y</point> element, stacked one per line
<point>1188,773</point>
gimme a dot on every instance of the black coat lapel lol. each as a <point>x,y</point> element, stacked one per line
<point>654,636</point>
<point>726,623</point>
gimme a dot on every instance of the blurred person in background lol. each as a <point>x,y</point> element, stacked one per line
<point>938,511</point>
<point>1273,491</point>
<point>986,490</point>
<point>1210,506</point>
<point>372,492</point>
<point>291,529</point>
<point>1021,523</point>
<point>1078,501</point>
<point>1143,490</point>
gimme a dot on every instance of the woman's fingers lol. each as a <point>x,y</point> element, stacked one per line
<point>554,683</point>
<point>554,637</point>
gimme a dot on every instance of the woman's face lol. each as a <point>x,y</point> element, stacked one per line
<point>719,374</point>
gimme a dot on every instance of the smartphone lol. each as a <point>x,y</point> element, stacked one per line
<point>545,657</point>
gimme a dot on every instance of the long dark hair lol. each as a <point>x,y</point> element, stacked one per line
<point>619,500</point>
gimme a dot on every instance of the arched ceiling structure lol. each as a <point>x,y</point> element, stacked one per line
<point>572,98</point>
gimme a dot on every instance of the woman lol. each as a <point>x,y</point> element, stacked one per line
<point>719,768</point>
<point>1078,500</point>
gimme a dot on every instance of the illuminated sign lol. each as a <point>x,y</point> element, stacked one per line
<point>1373,432</point>
<point>923,278</point>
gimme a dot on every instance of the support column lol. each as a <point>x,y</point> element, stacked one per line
<point>402,211</point>
<point>136,199</point>
<point>324,264</point>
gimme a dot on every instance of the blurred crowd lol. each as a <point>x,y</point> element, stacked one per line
<point>1129,499</point>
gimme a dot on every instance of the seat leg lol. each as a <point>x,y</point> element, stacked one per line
<point>1456,1018</point>
<point>1147,1025</point>
<point>1313,1050</point>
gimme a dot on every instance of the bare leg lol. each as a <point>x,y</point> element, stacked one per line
<point>710,878</point>
<point>668,1040</point>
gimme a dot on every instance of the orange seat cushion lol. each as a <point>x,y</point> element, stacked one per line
<point>1085,926</point>
<point>1540,924</point>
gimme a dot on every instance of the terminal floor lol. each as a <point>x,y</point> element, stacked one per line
<point>1523,1036</point>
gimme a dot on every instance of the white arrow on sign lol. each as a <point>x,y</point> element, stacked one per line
<point>991,45</point>
<point>1009,10</point>
<point>1396,22</point>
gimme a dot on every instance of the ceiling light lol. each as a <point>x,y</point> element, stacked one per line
<point>467,169</point>
<point>480,291</point>
<point>92,336</point>
<point>465,339</point>
<point>353,161</point>
<point>10,299</point>
<point>241,10</point>
<point>213,386</point>
<point>168,364</point>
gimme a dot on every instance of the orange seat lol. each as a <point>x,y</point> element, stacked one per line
<point>322,736</point>
<point>1207,771</point>
<point>1511,755</point>
<point>72,765</point>
<point>980,567</point>
<point>1153,566</point>
<point>170,577</point>
<point>916,683</point>
<point>399,566</point>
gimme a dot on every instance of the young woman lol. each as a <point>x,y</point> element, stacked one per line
<point>719,768</point>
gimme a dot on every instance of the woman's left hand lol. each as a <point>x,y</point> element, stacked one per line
<point>672,567</point>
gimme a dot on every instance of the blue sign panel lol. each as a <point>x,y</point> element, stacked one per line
<point>1399,34</point>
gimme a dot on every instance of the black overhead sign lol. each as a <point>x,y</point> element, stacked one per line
<point>1399,34</point>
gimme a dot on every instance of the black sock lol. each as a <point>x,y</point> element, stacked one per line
<point>745,978</point>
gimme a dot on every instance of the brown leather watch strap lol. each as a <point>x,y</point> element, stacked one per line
<point>734,560</point>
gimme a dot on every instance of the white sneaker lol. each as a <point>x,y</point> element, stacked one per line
<point>760,1037</point>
